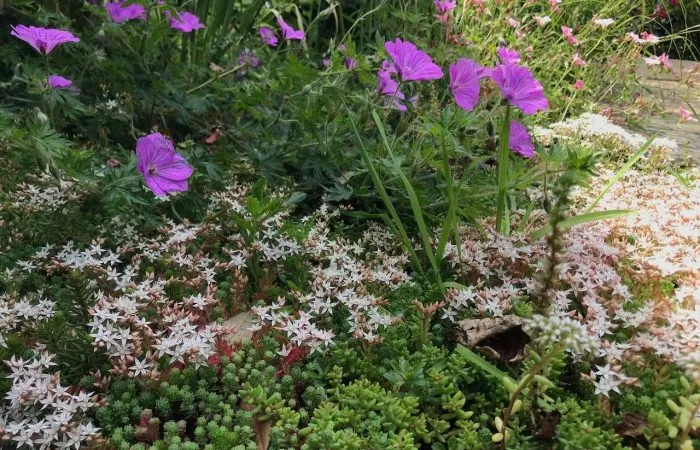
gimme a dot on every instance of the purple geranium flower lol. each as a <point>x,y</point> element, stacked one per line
<point>389,88</point>
<point>248,58</point>
<point>444,6</point>
<point>411,63</point>
<point>58,82</point>
<point>520,141</point>
<point>119,13</point>
<point>290,33</point>
<point>464,82</point>
<point>350,63</point>
<point>508,56</point>
<point>267,36</point>
<point>44,40</point>
<point>520,88</point>
<point>185,21</point>
<point>164,170</point>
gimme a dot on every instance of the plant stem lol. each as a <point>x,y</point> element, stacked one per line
<point>219,75</point>
<point>503,159</point>
<point>541,364</point>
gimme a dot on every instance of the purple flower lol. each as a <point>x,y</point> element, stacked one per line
<point>185,22</point>
<point>326,62</point>
<point>119,13</point>
<point>411,63</point>
<point>248,58</point>
<point>267,36</point>
<point>464,82</point>
<point>58,82</point>
<point>164,170</point>
<point>44,40</point>
<point>389,88</point>
<point>350,63</point>
<point>508,56</point>
<point>444,6</point>
<point>520,88</point>
<point>520,141</point>
<point>288,32</point>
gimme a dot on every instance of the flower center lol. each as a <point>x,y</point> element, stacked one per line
<point>151,169</point>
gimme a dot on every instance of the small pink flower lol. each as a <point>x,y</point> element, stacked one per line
<point>652,61</point>
<point>554,4</point>
<point>649,38</point>
<point>578,61</point>
<point>660,12</point>
<point>665,61</point>
<point>578,85</point>
<point>512,22</point>
<point>568,33</point>
<point>686,116</point>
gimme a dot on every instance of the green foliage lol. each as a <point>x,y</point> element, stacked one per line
<point>215,406</point>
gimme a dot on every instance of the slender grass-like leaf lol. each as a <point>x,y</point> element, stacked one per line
<point>480,363</point>
<point>451,223</point>
<point>621,172</point>
<point>395,222</point>
<point>583,218</point>
<point>413,200</point>
<point>526,216</point>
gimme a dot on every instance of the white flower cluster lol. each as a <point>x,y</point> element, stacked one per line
<point>607,379</point>
<point>598,132</point>
<point>561,331</point>
<point>47,195</point>
<point>502,269</point>
<point>342,276</point>
<point>23,312</point>
<point>41,413</point>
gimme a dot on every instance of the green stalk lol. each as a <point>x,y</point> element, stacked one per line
<point>503,159</point>
<point>395,222</point>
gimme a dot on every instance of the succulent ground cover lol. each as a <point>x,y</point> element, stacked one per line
<point>306,225</point>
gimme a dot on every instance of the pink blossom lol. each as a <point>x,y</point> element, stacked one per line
<point>578,85</point>
<point>569,35</point>
<point>578,61</point>
<point>649,38</point>
<point>665,61</point>
<point>512,22</point>
<point>686,116</point>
